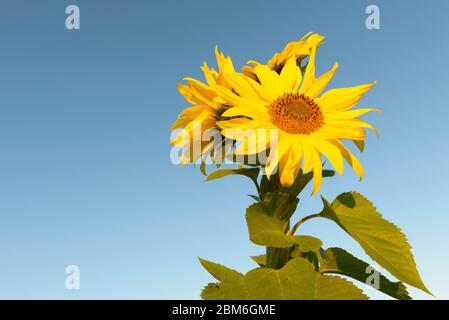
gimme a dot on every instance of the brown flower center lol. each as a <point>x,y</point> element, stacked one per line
<point>296,114</point>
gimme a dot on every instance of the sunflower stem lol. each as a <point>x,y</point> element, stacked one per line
<point>277,257</point>
<point>296,226</point>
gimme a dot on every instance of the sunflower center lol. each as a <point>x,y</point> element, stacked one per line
<point>296,114</point>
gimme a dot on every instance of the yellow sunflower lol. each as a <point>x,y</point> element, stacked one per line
<point>308,124</point>
<point>297,49</point>
<point>203,115</point>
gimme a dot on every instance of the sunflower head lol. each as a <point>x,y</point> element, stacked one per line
<point>200,118</point>
<point>280,96</point>
<point>297,49</point>
<point>310,124</point>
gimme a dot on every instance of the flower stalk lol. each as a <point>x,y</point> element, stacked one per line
<point>300,222</point>
<point>277,257</point>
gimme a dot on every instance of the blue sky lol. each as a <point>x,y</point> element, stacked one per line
<point>85,174</point>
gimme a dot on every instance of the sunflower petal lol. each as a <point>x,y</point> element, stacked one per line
<point>209,75</point>
<point>248,87</point>
<point>309,75</point>
<point>320,84</point>
<point>343,99</point>
<point>350,158</point>
<point>290,76</point>
<point>269,80</point>
<point>350,114</point>
<point>317,172</point>
<point>332,153</point>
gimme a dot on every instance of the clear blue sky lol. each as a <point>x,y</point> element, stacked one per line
<point>85,174</point>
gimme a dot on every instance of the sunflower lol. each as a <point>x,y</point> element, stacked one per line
<point>297,49</point>
<point>308,124</point>
<point>202,116</point>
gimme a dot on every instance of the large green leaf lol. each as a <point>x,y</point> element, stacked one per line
<point>307,247</point>
<point>232,283</point>
<point>381,240</point>
<point>294,281</point>
<point>219,271</point>
<point>229,289</point>
<point>235,288</point>
<point>267,230</point>
<point>297,280</point>
<point>339,261</point>
<point>268,220</point>
<point>336,288</point>
<point>213,291</point>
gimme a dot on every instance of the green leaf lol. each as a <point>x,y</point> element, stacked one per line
<point>251,173</point>
<point>339,261</point>
<point>307,247</point>
<point>381,240</point>
<point>219,271</point>
<point>294,281</point>
<point>297,280</point>
<point>336,288</point>
<point>235,288</point>
<point>267,186</point>
<point>267,230</point>
<point>261,260</point>
<point>307,243</point>
<point>232,283</point>
<point>229,289</point>
<point>279,205</point>
<point>212,291</point>
<point>268,221</point>
<point>254,197</point>
<point>302,180</point>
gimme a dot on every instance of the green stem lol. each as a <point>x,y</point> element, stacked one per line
<point>277,257</point>
<point>296,226</point>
